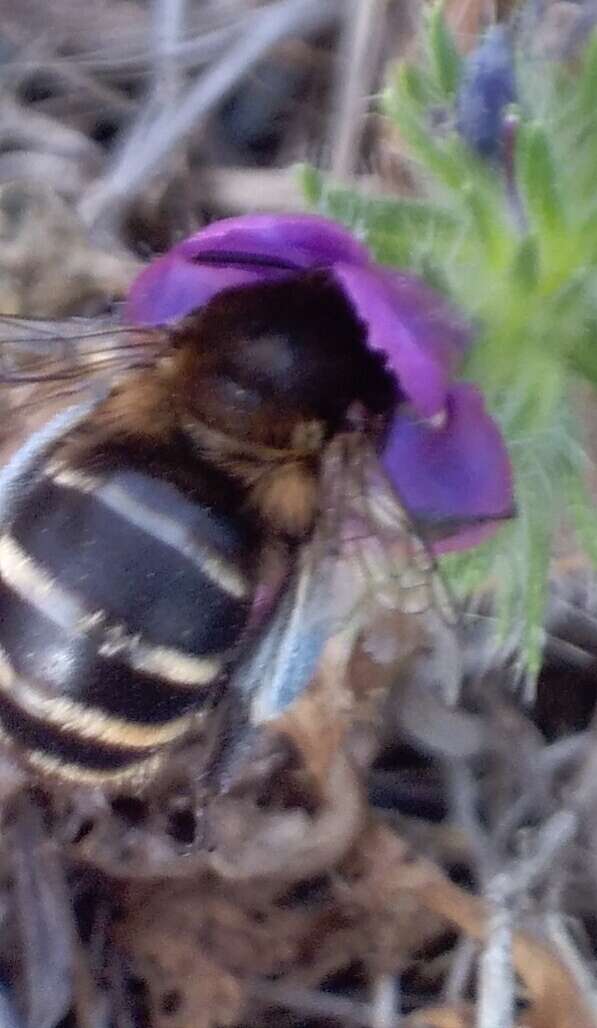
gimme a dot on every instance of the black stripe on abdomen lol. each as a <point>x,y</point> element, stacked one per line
<point>113,565</point>
<point>36,736</point>
<point>69,665</point>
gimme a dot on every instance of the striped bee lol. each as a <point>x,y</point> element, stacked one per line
<point>152,475</point>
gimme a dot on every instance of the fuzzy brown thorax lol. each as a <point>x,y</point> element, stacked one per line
<point>256,383</point>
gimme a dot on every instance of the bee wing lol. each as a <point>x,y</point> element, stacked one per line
<point>283,659</point>
<point>341,586</point>
<point>397,558</point>
<point>422,584</point>
<point>45,365</point>
<point>323,597</point>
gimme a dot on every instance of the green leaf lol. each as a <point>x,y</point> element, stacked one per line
<point>525,266</point>
<point>445,59</point>
<point>486,222</point>
<point>584,514</point>
<point>508,595</point>
<point>537,172</point>
<point>410,89</point>
<point>583,357</point>
<point>529,563</point>
<point>389,225</point>
<point>531,289</point>
<point>433,152</point>
<point>587,85</point>
<point>470,570</point>
<point>311,181</point>
<point>385,216</point>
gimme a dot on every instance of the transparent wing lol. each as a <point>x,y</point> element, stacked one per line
<point>394,550</point>
<point>365,557</point>
<point>282,660</point>
<point>46,365</point>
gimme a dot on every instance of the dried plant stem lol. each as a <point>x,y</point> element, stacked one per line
<point>312,1003</point>
<point>557,1002</point>
<point>190,52</point>
<point>278,189</point>
<point>559,830</point>
<point>497,994</point>
<point>463,796</point>
<point>554,995</point>
<point>168,27</point>
<point>558,933</point>
<point>460,971</point>
<point>549,763</point>
<point>363,32</point>
<point>384,997</point>
<point>102,205</point>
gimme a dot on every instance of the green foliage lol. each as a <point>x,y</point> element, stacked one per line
<point>515,245</point>
<point>444,59</point>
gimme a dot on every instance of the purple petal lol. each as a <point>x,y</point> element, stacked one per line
<point>416,330</point>
<point>467,538</point>
<point>420,336</point>
<point>457,472</point>
<point>172,286</point>
<point>190,274</point>
<point>301,240</point>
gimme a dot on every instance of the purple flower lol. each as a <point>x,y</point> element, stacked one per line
<point>420,336</point>
<point>443,448</point>
<point>455,470</point>
<point>488,86</point>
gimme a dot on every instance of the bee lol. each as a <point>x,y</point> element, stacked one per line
<point>136,519</point>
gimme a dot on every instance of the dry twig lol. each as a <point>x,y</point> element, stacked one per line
<point>358,58</point>
<point>102,204</point>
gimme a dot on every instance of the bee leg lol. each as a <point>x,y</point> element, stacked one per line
<point>245,756</point>
<point>270,681</point>
<point>259,757</point>
<point>45,915</point>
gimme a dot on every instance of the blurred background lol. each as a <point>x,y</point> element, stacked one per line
<point>246,90</point>
<point>150,118</point>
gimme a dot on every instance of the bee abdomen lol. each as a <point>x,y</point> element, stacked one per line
<point>120,602</point>
<point>68,754</point>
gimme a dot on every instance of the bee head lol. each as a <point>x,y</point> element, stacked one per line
<point>280,364</point>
